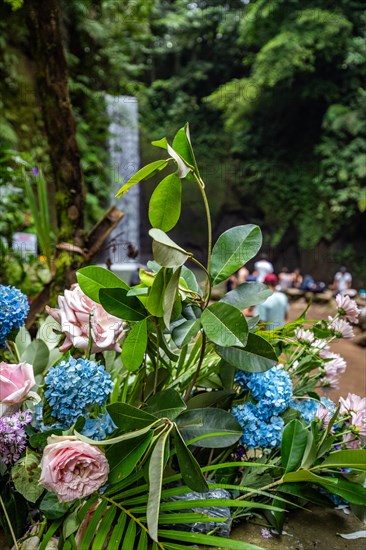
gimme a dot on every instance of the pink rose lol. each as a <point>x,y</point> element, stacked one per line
<point>71,468</point>
<point>76,311</point>
<point>15,382</point>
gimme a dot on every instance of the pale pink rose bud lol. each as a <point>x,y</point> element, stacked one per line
<point>76,313</point>
<point>71,468</point>
<point>15,382</point>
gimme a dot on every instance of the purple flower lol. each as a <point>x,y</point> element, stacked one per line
<point>35,171</point>
<point>13,438</point>
<point>348,308</point>
<point>341,328</point>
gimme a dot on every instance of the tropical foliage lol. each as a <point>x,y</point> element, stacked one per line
<point>202,410</point>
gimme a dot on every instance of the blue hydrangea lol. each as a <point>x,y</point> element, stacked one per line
<point>14,309</point>
<point>75,385</point>
<point>272,389</point>
<point>257,431</point>
<point>99,428</point>
<point>308,408</point>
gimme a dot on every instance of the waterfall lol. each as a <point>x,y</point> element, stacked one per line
<point>123,146</point>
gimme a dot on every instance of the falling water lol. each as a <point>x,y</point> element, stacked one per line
<point>123,145</point>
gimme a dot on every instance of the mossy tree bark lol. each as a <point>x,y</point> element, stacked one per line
<point>59,122</point>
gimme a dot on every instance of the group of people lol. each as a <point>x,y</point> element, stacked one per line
<point>274,310</point>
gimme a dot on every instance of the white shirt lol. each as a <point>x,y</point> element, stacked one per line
<point>342,280</point>
<point>273,311</point>
<point>263,268</point>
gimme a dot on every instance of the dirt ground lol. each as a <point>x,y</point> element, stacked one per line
<point>354,379</point>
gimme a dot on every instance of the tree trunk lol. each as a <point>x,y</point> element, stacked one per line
<point>51,77</point>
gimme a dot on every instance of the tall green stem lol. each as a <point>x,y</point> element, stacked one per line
<point>195,376</point>
<point>201,186</point>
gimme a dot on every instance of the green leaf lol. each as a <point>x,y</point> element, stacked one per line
<point>165,203</point>
<point>353,492</point>
<point>162,143</point>
<point>184,333</point>
<point>127,417</point>
<point>52,508</point>
<point>25,475</point>
<point>117,533</point>
<point>92,278</point>
<point>134,346</point>
<point>221,398</point>
<point>352,458</point>
<point>212,428</point>
<point>36,354</point>
<point>183,168</point>
<point>209,540</point>
<point>246,295</point>
<point>170,295</point>
<point>190,279</point>
<point>154,302</point>
<point>104,528</point>
<point>144,173</point>
<point>47,334</point>
<point>156,470</point>
<point>23,339</point>
<point>182,145</point>
<point>225,325</point>
<point>310,451</point>
<point>166,404</point>
<point>123,457</point>
<point>88,535</point>
<point>293,444</point>
<point>114,440</point>
<point>257,356</point>
<point>130,536</point>
<point>166,252</point>
<point>188,465</point>
<point>117,303</point>
<point>233,249</point>
<point>70,524</point>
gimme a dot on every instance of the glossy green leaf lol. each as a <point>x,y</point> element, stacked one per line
<point>166,252</point>
<point>170,296</point>
<point>190,279</point>
<point>257,356</point>
<point>166,404</point>
<point>92,278</point>
<point>134,346</point>
<point>183,168</point>
<point>51,507</point>
<point>225,325</point>
<point>117,533</point>
<point>188,465</point>
<point>37,355</point>
<point>88,535</point>
<point>117,439</point>
<point>182,145</point>
<point>209,540</point>
<point>247,294</point>
<point>353,492</point>
<point>117,303</point>
<point>130,537</point>
<point>144,173</point>
<point>104,528</point>
<point>127,417</point>
<point>184,333</point>
<point>293,445</point>
<point>123,457</point>
<point>219,398</point>
<point>165,203</point>
<point>156,470</point>
<point>351,458</point>
<point>198,424</point>
<point>233,249</point>
<point>155,299</point>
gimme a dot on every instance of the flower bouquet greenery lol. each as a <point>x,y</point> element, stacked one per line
<point>148,417</point>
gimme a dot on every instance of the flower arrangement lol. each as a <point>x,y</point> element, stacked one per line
<point>148,415</point>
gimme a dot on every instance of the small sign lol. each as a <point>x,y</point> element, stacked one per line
<point>25,244</point>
